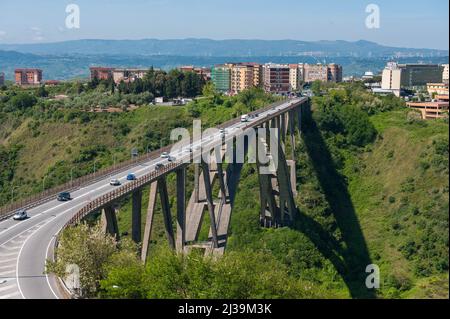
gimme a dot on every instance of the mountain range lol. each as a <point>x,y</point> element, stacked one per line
<point>220,48</point>
<point>72,59</point>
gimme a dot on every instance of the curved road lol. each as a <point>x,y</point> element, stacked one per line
<point>26,245</point>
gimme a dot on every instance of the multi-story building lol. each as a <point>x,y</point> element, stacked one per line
<point>334,73</point>
<point>294,76</point>
<point>316,72</point>
<point>432,110</point>
<point>2,78</point>
<point>399,76</point>
<point>391,78</point>
<point>128,75</point>
<point>416,75</point>
<point>445,73</point>
<point>28,76</point>
<point>257,74</point>
<point>241,78</point>
<point>244,76</point>
<point>276,78</point>
<point>221,77</point>
<point>437,88</point>
<point>101,73</point>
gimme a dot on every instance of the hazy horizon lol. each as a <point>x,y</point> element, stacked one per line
<point>405,24</point>
<point>218,39</point>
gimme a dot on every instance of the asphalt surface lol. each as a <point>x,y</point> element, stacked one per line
<point>26,245</point>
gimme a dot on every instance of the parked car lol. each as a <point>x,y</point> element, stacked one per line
<point>63,196</point>
<point>20,215</point>
<point>131,177</point>
<point>114,182</point>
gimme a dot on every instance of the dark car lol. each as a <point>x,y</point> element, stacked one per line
<point>63,196</point>
<point>159,166</point>
<point>131,177</point>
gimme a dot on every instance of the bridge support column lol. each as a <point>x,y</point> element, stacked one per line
<point>181,209</point>
<point>283,127</point>
<point>149,220</point>
<point>276,181</point>
<point>164,196</point>
<point>196,182</point>
<point>293,176</point>
<point>291,132</point>
<point>209,199</point>
<point>109,222</point>
<point>136,216</point>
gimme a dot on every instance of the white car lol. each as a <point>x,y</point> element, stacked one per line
<point>20,215</point>
<point>165,155</point>
<point>114,182</point>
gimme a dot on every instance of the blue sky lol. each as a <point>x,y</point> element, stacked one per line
<point>403,23</point>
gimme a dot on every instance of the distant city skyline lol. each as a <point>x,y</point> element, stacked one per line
<point>412,24</point>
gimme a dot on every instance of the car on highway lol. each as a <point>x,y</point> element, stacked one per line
<point>165,155</point>
<point>159,166</point>
<point>171,158</point>
<point>114,182</point>
<point>131,177</point>
<point>63,197</point>
<point>20,215</point>
<point>244,118</point>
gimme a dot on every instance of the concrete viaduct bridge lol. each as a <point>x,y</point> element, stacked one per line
<point>25,246</point>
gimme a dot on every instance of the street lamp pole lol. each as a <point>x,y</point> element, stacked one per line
<point>43,182</point>
<point>71,177</point>
<point>12,193</point>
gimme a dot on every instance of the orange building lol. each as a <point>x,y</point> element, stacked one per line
<point>28,76</point>
<point>101,73</point>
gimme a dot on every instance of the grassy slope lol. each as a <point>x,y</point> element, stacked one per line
<point>384,173</point>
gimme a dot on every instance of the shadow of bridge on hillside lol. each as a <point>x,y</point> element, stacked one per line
<point>352,258</point>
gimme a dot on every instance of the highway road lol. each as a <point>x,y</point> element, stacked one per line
<point>25,245</point>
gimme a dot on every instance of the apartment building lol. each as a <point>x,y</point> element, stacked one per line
<point>294,70</point>
<point>101,73</point>
<point>316,72</point>
<point>244,76</point>
<point>2,78</point>
<point>128,75</point>
<point>445,73</point>
<point>28,76</point>
<point>276,78</point>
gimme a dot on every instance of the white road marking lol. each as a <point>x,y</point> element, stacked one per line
<point>26,240</point>
<point>46,274</point>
